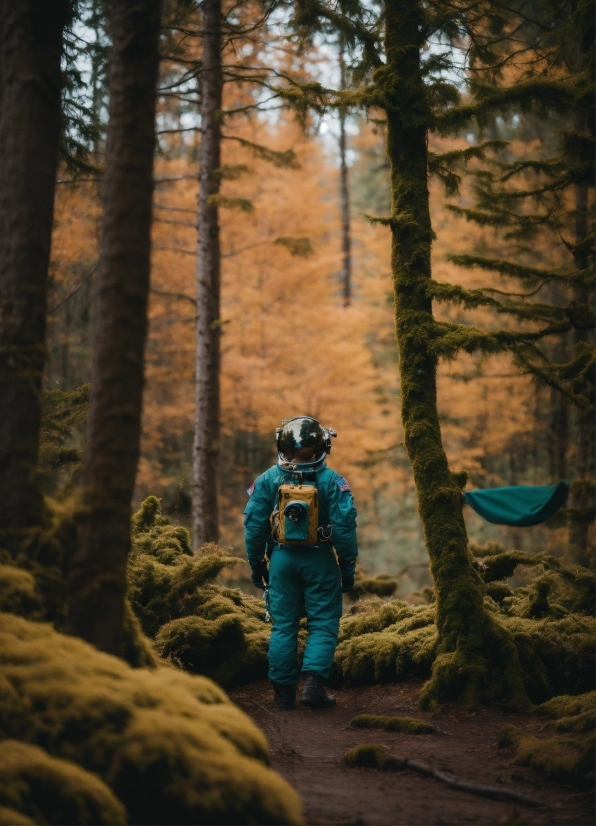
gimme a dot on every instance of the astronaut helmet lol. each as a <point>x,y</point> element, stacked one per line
<point>303,441</point>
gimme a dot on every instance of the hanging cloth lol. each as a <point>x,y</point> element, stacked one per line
<point>518,505</point>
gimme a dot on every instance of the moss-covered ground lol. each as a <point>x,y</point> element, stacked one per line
<point>551,621</point>
<point>197,624</point>
<point>564,750</point>
<point>88,739</point>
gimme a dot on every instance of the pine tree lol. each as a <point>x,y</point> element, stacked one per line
<point>31,38</point>
<point>222,29</point>
<point>546,201</point>
<point>410,84</point>
<point>97,578</point>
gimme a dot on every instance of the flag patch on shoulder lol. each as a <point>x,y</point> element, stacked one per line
<point>251,489</point>
<point>343,484</point>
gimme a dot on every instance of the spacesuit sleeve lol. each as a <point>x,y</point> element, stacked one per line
<point>342,514</point>
<point>257,526</point>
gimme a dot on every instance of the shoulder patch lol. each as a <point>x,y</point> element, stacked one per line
<point>251,489</point>
<point>342,484</point>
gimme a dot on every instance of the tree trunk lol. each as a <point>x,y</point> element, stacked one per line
<point>97,582</point>
<point>471,643</point>
<point>30,85</point>
<point>581,499</point>
<point>208,324</point>
<point>346,239</point>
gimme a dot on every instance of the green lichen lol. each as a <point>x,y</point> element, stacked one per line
<point>406,725</point>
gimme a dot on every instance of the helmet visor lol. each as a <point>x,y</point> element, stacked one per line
<point>297,436</point>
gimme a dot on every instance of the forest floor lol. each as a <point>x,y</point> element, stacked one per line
<point>308,748</point>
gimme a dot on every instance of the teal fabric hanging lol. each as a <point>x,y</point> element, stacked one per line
<point>518,505</point>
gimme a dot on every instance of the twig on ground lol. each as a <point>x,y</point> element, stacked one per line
<point>374,756</point>
<point>473,788</point>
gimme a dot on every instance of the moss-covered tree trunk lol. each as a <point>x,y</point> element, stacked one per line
<point>30,84</point>
<point>208,325</point>
<point>472,648</point>
<point>97,582</point>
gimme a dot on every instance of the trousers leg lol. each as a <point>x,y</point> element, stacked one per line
<point>323,605</point>
<point>285,604</point>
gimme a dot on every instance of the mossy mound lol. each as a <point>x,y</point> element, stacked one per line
<point>18,593</point>
<point>566,753</point>
<point>550,622</point>
<point>405,725</point>
<point>384,642</point>
<point>372,756</point>
<point>38,788</point>
<point>199,625</point>
<point>382,585</point>
<point>171,747</point>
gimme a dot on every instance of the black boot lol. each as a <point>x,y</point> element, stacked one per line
<point>285,696</point>
<point>314,693</point>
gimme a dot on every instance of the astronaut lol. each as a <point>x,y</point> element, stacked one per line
<point>300,535</point>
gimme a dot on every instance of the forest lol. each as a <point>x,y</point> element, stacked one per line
<point>217,216</point>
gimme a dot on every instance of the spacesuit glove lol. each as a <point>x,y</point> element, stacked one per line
<point>260,575</point>
<point>347,582</point>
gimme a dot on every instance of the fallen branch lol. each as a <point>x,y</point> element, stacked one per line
<point>493,792</point>
<point>373,756</point>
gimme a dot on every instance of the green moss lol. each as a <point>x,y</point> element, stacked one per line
<point>406,725</point>
<point>372,756</point>
<point>39,788</point>
<point>387,641</point>
<point>197,624</point>
<point>498,591</point>
<point>10,817</point>
<point>568,705</point>
<point>563,759</point>
<point>18,593</point>
<point>170,746</point>
<point>402,649</point>
<point>383,585</point>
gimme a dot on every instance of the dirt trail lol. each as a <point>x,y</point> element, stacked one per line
<point>307,748</point>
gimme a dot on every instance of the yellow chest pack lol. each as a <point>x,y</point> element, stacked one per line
<point>295,521</point>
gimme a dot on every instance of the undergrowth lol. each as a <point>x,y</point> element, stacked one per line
<point>564,749</point>
<point>551,621</point>
<point>199,625</point>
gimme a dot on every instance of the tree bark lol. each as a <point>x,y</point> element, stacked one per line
<point>581,499</point>
<point>30,86</point>
<point>208,325</point>
<point>97,581</point>
<point>346,238</point>
<point>470,641</point>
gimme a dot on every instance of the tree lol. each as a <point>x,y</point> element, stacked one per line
<point>547,196</point>
<point>223,26</point>
<point>208,328</point>
<point>31,35</point>
<point>400,76</point>
<point>97,578</point>
<point>346,238</point>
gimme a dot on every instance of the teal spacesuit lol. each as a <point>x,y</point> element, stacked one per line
<point>303,579</point>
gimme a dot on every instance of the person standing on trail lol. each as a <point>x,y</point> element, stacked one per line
<point>298,512</point>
